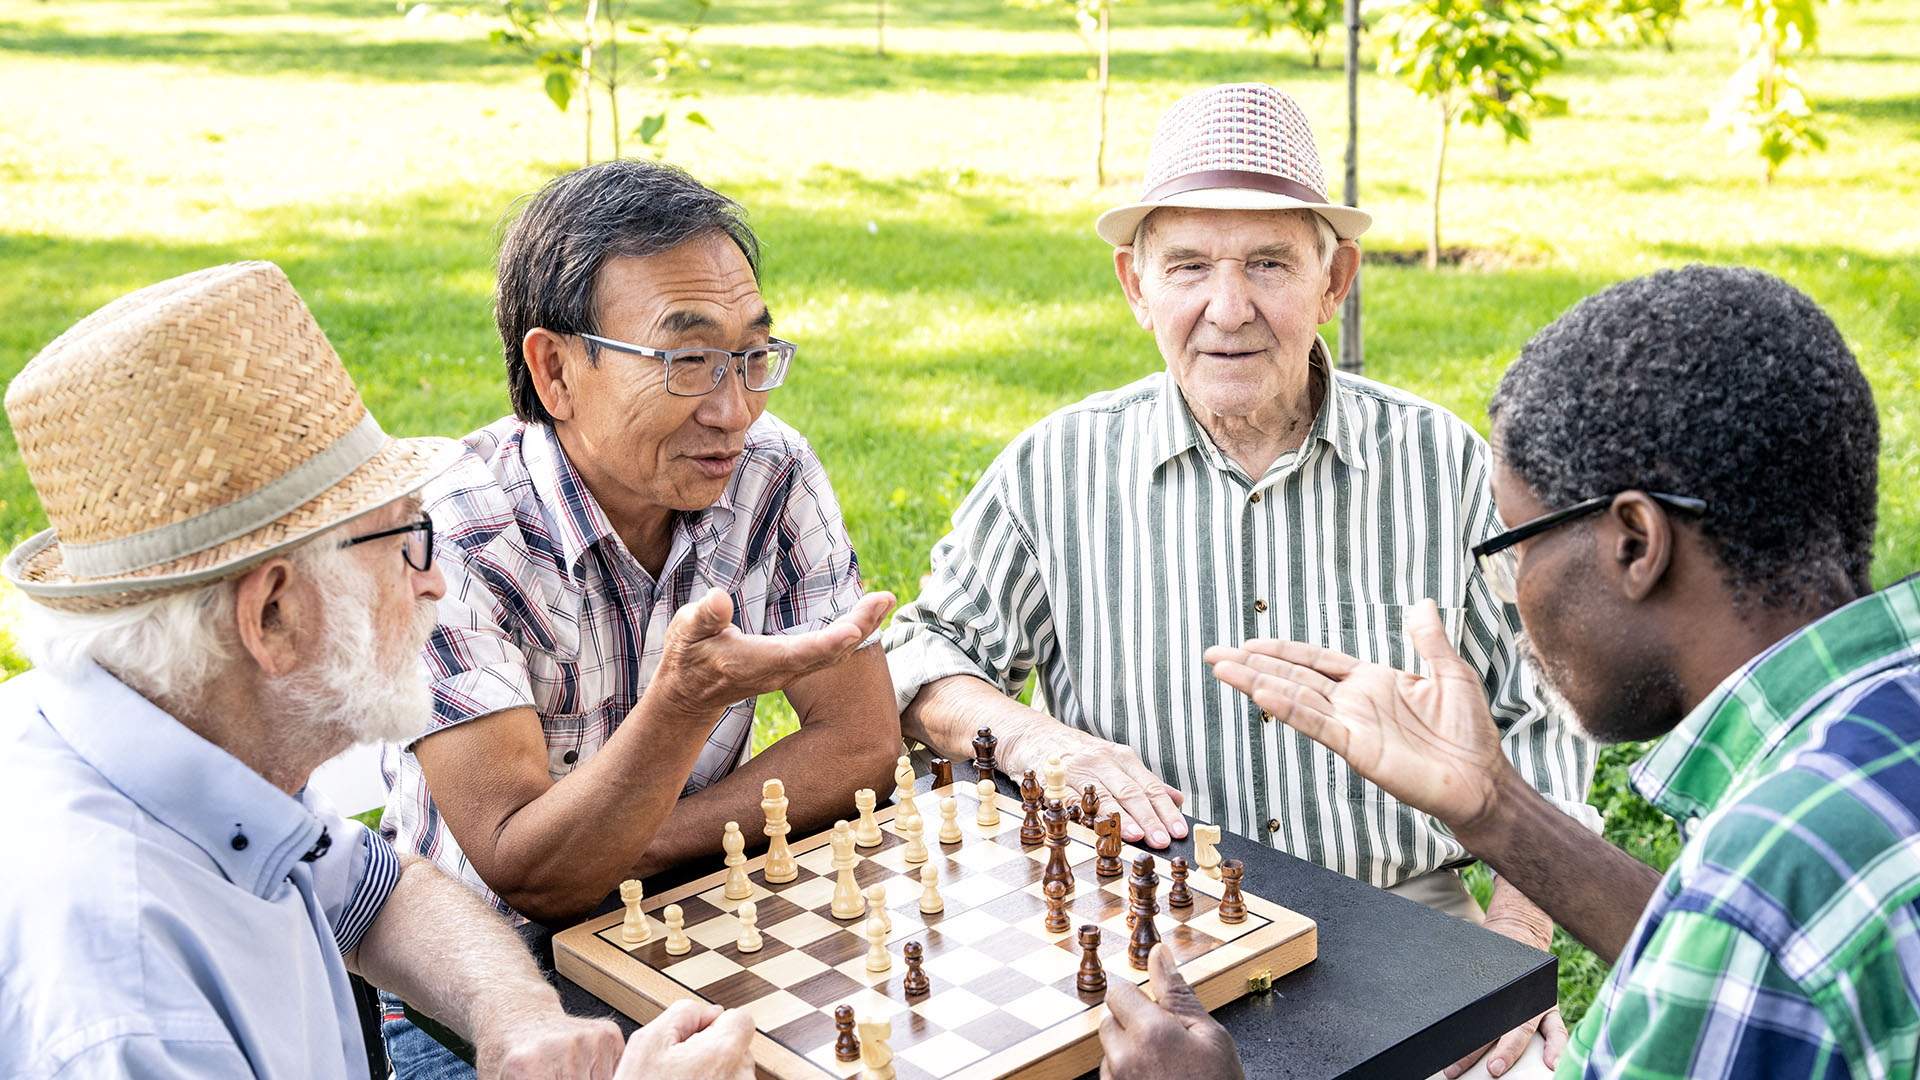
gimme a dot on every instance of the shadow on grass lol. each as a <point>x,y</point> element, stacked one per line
<point>276,53</point>
<point>1903,113</point>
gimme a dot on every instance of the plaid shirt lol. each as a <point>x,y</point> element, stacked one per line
<point>1785,940</point>
<point>546,608</point>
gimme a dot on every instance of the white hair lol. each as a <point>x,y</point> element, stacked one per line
<point>166,648</point>
<point>1325,240</point>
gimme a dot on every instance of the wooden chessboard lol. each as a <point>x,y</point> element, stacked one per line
<point>1002,1001</point>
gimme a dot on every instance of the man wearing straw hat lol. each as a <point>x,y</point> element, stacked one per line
<point>234,590</point>
<point>1248,491</point>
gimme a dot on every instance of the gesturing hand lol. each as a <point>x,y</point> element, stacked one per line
<point>1429,742</point>
<point>708,663</point>
<point>1172,1036</point>
<point>691,1041</point>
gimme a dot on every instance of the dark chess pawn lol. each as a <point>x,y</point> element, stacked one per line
<point>846,1046</point>
<point>1057,920</point>
<point>942,772</point>
<point>1089,805</point>
<point>1233,906</point>
<point>1030,831</point>
<point>1179,895</point>
<point>915,983</point>
<point>1107,846</point>
<point>983,745</point>
<point>1092,978</point>
<point>1143,890</point>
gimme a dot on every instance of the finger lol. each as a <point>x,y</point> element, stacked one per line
<point>1553,1036</point>
<point>1164,818</point>
<point>1508,1048</point>
<point>682,1019</point>
<point>706,616</point>
<point>1175,994</point>
<point>1127,1006</point>
<point>1113,1046</point>
<point>1306,712</point>
<point>1429,636</point>
<point>1453,1071</point>
<point>1288,671</point>
<point>1335,665</point>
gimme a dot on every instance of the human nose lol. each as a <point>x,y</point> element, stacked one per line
<point>1230,298</point>
<point>726,406</point>
<point>429,584</point>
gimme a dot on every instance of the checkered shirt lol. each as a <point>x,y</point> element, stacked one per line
<point>1785,940</point>
<point>546,608</point>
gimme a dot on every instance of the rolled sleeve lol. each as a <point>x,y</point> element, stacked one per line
<point>354,876</point>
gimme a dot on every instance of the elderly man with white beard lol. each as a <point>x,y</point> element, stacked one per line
<point>235,588</point>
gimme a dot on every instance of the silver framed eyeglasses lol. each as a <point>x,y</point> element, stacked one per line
<point>1501,566</point>
<point>696,372</point>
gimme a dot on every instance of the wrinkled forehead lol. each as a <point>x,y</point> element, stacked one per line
<point>702,288</point>
<point>1225,231</point>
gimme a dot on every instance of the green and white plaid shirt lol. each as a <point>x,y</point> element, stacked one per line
<point>1112,542</point>
<point>1785,940</point>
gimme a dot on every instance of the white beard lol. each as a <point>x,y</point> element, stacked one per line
<point>353,690</point>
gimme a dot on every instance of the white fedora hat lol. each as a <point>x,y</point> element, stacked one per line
<point>1239,146</point>
<point>190,430</point>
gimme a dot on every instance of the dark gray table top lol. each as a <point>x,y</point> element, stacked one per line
<point>1398,991</point>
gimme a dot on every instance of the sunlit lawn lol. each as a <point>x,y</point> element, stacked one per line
<point>926,216</point>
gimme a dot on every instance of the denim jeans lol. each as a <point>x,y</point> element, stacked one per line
<point>416,1055</point>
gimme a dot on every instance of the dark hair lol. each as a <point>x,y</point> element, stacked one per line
<point>551,255</point>
<point>1722,383</point>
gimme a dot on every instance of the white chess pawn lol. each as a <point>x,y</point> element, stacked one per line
<point>988,815</point>
<point>877,903</point>
<point>877,958</point>
<point>734,843</point>
<point>678,944</point>
<point>930,902</point>
<point>867,832</point>
<point>949,820</point>
<point>635,930</point>
<point>916,849</point>
<point>749,932</point>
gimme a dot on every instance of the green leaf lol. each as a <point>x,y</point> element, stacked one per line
<point>699,118</point>
<point>650,127</point>
<point>559,87</point>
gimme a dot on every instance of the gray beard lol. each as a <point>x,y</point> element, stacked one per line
<point>1546,680</point>
<point>353,694</point>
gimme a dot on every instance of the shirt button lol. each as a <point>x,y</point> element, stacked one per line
<point>1254,498</point>
<point>570,756</point>
<point>239,841</point>
<point>1260,606</point>
<point>1273,825</point>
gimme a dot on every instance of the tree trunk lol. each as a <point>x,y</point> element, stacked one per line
<point>1439,172</point>
<point>613,72</point>
<point>1106,51</point>
<point>880,29</point>
<point>1352,352</point>
<point>590,28</point>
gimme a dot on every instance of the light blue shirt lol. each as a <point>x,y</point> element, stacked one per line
<point>162,909</point>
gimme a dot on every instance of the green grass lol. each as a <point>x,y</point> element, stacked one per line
<point>926,216</point>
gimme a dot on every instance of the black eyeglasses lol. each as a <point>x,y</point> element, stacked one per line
<point>697,372</point>
<point>418,550</point>
<point>1501,566</point>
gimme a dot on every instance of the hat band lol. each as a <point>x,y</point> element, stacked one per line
<point>1234,178</point>
<point>190,536</point>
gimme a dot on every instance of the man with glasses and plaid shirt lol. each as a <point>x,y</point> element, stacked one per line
<point>630,559</point>
<point>1691,457</point>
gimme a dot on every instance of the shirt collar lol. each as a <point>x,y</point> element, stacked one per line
<point>1718,746</point>
<point>252,830</point>
<point>1334,424</point>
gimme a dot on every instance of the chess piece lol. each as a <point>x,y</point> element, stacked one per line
<point>1206,856</point>
<point>942,773</point>
<point>915,983</point>
<point>877,958</point>
<point>1058,869</point>
<point>905,808</point>
<point>780,864</point>
<point>930,902</point>
<point>845,1046</point>
<point>949,820</point>
<point>876,1053</point>
<point>847,901</point>
<point>1233,906</point>
<point>1056,775</point>
<point>1030,831</point>
<point>1179,895</point>
<point>867,832</point>
<point>987,815</point>
<point>1092,978</point>
<point>877,904</point>
<point>1057,920</point>
<point>749,928</point>
<point>635,930</point>
<point>916,849</point>
<point>1089,805</point>
<point>678,944</point>
<point>984,742</point>
<point>734,843</point>
<point>1107,846</point>
<point>1142,893</point>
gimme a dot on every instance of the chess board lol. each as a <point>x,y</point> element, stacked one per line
<point>1002,1001</point>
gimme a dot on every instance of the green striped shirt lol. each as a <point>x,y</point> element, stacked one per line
<point>1112,542</point>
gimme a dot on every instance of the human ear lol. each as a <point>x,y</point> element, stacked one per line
<point>1642,542</point>
<point>1340,277</point>
<point>546,356</point>
<point>268,616</point>
<point>1127,270</point>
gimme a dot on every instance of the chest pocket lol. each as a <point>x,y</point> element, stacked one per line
<point>1378,632</point>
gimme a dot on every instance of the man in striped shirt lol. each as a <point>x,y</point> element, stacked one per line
<point>1249,491</point>
<point>1689,463</point>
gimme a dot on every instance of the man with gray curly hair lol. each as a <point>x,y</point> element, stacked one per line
<point>234,590</point>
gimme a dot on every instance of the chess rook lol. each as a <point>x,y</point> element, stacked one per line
<point>635,930</point>
<point>780,864</point>
<point>1091,978</point>
<point>1142,892</point>
<point>1233,906</point>
<point>984,742</point>
<point>942,772</point>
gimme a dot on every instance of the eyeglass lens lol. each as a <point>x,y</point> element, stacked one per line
<point>1501,568</point>
<point>697,371</point>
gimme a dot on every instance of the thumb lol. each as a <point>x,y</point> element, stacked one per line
<point>1171,987</point>
<point>708,615</point>
<point>1429,636</point>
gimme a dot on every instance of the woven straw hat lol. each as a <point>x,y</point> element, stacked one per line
<point>189,430</point>
<point>1240,146</point>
